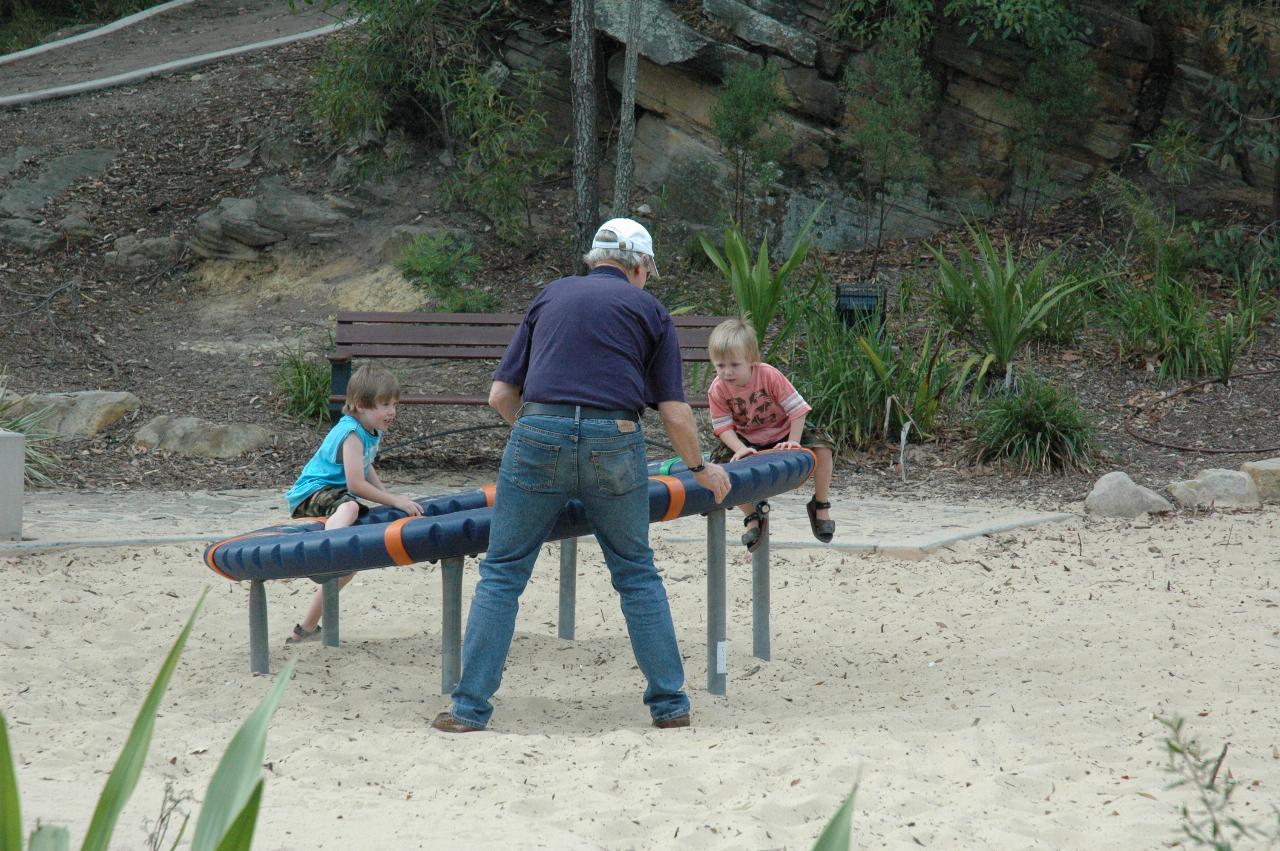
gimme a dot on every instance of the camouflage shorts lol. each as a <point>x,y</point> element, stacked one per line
<point>325,501</point>
<point>810,438</point>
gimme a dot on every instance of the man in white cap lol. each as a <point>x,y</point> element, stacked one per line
<point>592,352</point>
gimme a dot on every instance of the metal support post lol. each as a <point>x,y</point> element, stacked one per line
<point>568,587</point>
<point>717,615</point>
<point>329,635</point>
<point>760,597</point>
<point>259,655</point>
<point>450,624</point>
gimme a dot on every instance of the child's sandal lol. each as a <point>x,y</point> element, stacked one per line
<point>755,534</point>
<point>300,635</point>
<point>823,530</point>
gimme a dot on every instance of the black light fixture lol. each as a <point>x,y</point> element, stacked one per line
<point>860,306</point>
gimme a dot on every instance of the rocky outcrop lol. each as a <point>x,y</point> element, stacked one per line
<point>687,50</point>
<point>240,228</point>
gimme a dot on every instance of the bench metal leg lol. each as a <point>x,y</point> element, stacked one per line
<point>329,635</point>
<point>259,655</point>
<point>339,376</point>
<point>717,648</point>
<point>760,598</point>
<point>450,624</point>
<point>568,586</point>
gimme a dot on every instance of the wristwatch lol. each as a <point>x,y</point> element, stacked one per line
<point>698,469</point>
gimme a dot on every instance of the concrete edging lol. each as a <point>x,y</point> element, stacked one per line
<point>105,29</point>
<point>166,67</point>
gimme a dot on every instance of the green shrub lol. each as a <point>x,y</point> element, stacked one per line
<point>1173,154</point>
<point>1164,322</point>
<point>757,289</point>
<point>231,802</point>
<point>745,104</point>
<point>1007,301</point>
<point>1163,246</point>
<point>1034,426</point>
<point>888,101</point>
<point>302,381</point>
<point>464,301</point>
<point>424,66</point>
<point>434,261</point>
<point>864,388</point>
<point>41,464</point>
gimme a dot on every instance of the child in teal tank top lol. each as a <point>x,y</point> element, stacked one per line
<point>342,469</point>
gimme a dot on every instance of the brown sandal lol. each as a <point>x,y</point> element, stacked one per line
<point>823,530</point>
<point>755,534</point>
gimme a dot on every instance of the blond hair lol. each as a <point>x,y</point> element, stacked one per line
<point>734,336</point>
<point>370,387</point>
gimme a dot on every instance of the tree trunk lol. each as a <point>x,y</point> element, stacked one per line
<point>586,157</point>
<point>624,165</point>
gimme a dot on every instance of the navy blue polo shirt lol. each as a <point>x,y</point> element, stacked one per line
<point>597,340</point>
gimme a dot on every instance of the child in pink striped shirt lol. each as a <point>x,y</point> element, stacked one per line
<point>754,407</point>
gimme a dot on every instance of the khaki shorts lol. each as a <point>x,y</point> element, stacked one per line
<point>325,501</point>
<point>810,438</point>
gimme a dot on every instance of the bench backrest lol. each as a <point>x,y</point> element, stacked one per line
<point>466,336</point>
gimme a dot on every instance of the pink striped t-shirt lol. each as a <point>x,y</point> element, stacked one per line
<point>761,412</point>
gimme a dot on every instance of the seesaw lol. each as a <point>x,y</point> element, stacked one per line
<point>453,527</point>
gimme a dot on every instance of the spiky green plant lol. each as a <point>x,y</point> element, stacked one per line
<point>231,803</point>
<point>303,384</point>
<point>1035,427</point>
<point>41,464</point>
<point>1008,299</point>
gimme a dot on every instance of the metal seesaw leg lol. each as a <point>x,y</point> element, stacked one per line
<point>568,587</point>
<point>450,623</point>
<point>760,597</point>
<point>259,655</point>
<point>717,649</point>
<point>329,635</point>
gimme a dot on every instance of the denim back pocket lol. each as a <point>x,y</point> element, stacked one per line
<point>619,471</point>
<point>533,464</point>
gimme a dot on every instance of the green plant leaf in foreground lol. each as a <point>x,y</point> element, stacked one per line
<point>835,836</point>
<point>10,806</point>
<point>124,776</point>
<point>239,837</point>
<point>231,788</point>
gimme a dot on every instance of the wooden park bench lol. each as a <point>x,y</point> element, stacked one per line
<point>457,336</point>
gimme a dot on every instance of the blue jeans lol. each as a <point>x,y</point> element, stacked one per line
<point>549,460</point>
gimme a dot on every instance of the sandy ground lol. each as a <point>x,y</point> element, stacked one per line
<point>1001,693</point>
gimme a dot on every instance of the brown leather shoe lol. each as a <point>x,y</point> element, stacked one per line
<point>672,723</point>
<point>446,723</point>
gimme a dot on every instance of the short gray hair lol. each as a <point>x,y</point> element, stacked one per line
<point>627,258</point>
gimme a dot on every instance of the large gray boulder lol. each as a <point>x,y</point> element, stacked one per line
<point>1217,489</point>
<point>80,414</point>
<point>1266,476</point>
<point>1117,495</point>
<point>196,438</point>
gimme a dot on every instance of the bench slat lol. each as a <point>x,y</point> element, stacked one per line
<point>412,318</point>
<point>694,401</point>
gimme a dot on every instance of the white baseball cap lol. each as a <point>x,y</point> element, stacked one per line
<point>626,235</point>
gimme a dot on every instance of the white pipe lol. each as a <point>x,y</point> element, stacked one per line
<point>103,30</point>
<point>176,65</point>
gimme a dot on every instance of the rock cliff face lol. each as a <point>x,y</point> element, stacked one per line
<point>687,47</point>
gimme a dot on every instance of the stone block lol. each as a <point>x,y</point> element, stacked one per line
<point>1266,475</point>
<point>13,455</point>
